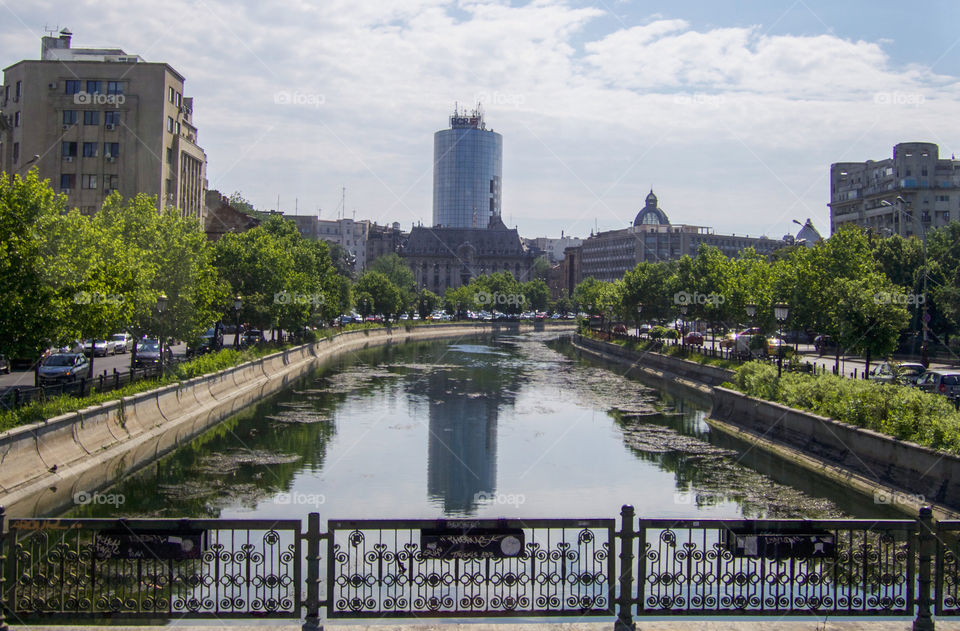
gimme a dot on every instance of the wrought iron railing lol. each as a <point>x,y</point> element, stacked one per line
<point>59,569</point>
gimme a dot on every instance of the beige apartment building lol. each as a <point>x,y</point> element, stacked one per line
<point>95,121</point>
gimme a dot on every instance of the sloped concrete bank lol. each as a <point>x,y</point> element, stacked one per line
<point>43,466</point>
<point>900,473</point>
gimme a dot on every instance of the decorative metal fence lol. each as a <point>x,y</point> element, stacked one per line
<point>68,569</point>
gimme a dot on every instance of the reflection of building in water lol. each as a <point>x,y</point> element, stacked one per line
<point>462,449</point>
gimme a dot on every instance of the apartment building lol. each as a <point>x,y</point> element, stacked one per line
<point>98,120</point>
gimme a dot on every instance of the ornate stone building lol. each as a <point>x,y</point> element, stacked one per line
<point>442,258</point>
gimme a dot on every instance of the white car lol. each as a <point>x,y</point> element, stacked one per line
<point>122,342</point>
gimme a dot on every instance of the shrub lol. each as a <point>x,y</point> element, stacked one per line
<point>899,411</point>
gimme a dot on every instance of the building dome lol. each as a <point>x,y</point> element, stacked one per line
<point>650,215</point>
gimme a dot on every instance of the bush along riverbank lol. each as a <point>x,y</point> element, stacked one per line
<point>902,412</point>
<point>656,346</point>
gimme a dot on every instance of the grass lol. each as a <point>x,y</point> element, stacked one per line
<point>899,411</point>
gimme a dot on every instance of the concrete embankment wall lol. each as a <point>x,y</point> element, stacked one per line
<point>44,465</point>
<point>905,473</point>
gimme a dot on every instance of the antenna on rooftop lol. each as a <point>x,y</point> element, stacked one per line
<point>51,32</point>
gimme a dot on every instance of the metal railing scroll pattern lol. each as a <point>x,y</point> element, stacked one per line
<point>782,567</point>
<point>947,572</point>
<point>393,568</point>
<point>154,568</point>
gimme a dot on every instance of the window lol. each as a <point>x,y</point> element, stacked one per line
<point>89,181</point>
<point>170,124</point>
<point>69,117</point>
<point>89,150</point>
<point>169,155</point>
<point>179,100</point>
<point>71,86</point>
<point>94,87</point>
<point>68,149</point>
<point>170,94</point>
<point>67,181</point>
<point>110,182</point>
<point>111,118</point>
<point>16,151</point>
<point>19,92</point>
<point>91,117</point>
<point>178,129</point>
<point>114,87</point>
<point>111,149</point>
<point>16,119</point>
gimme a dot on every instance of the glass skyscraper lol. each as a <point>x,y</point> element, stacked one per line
<point>467,164</point>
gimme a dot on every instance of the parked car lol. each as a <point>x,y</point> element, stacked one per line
<point>729,341</point>
<point>905,373</point>
<point>774,344</point>
<point>211,340</point>
<point>98,347</point>
<point>148,353</point>
<point>824,343</point>
<point>693,339</point>
<point>63,367</point>
<point>945,382</point>
<point>122,342</point>
<point>4,365</point>
<point>253,336</point>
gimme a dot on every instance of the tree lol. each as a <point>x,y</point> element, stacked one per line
<point>869,324</point>
<point>400,274</point>
<point>378,288</point>
<point>594,295</point>
<point>426,302</point>
<point>540,270</point>
<point>646,284</point>
<point>536,295</point>
<point>27,313</point>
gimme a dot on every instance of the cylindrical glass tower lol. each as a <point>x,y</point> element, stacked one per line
<point>467,163</point>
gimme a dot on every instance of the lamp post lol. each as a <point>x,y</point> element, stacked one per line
<point>161,307</point>
<point>683,329</point>
<point>237,304</point>
<point>925,316</point>
<point>639,311</point>
<point>781,311</point>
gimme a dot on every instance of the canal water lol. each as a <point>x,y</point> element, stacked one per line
<point>482,427</point>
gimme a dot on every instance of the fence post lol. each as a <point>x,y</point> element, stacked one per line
<point>928,550</point>
<point>312,621</point>
<point>625,605</point>
<point>3,573</point>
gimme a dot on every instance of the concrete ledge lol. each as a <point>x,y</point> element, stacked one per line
<point>44,464</point>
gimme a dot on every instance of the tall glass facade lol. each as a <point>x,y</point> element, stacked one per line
<point>467,163</point>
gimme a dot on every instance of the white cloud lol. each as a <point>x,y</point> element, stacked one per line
<point>712,114</point>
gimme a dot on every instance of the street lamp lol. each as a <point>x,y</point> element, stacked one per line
<point>237,304</point>
<point>925,317</point>
<point>781,311</point>
<point>161,307</point>
<point>683,329</point>
<point>639,311</point>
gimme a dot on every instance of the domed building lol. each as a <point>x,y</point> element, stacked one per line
<point>650,214</point>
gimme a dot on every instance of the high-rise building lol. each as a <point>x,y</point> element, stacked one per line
<point>97,120</point>
<point>908,194</point>
<point>467,170</point>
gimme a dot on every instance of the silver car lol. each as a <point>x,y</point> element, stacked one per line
<point>122,342</point>
<point>61,367</point>
<point>906,373</point>
<point>945,382</point>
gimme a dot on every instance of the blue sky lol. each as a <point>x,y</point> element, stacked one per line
<point>731,111</point>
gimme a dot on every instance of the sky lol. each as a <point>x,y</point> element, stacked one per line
<point>732,112</point>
